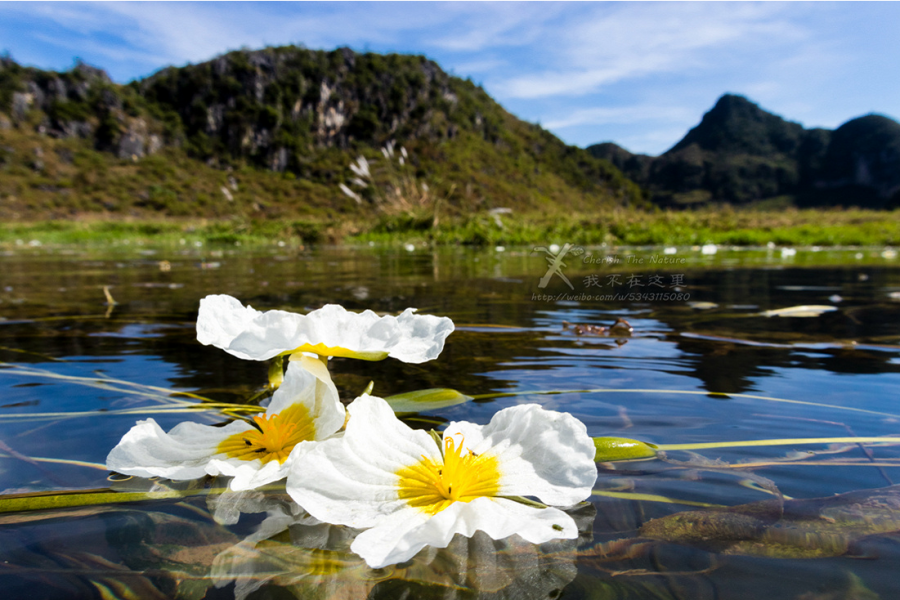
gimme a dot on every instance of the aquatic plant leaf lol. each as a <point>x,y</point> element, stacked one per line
<point>611,449</point>
<point>651,498</point>
<point>813,528</point>
<point>426,400</point>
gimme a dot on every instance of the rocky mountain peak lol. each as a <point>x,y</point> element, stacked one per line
<point>735,125</point>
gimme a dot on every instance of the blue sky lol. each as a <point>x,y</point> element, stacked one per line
<point>640,74</point>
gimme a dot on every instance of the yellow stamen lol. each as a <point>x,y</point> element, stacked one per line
<point>462,476</point>
<point>275,437</point>
<point>323,350</point>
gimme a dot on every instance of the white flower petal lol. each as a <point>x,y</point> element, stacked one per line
<point>191,450</point>
<point>542,453</point>
<point>183,453</point>
<point>226,508</point>
<point>400,536</point>
<point>307,382</point>
<point>353,480</point>
<point>221,319</point>
<point>331,330</point>
<point>250,474</point>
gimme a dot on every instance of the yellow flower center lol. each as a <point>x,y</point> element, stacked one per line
<point>432,486</point>
<point>275,437</point>
<point>323,350</point>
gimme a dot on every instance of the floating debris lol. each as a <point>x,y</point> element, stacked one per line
<point>155,284</point>
<point>165,266</point>
<point>812,310</point>
<point>110,301</point>
<point>702,305</point>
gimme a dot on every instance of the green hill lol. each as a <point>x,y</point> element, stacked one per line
<point>271,134</point>
<point>742,155</point>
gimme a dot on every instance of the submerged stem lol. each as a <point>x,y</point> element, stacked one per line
<point>780,442</point>
<point>686,392</point>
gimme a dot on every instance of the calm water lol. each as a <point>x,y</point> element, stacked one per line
<point>703,364</point>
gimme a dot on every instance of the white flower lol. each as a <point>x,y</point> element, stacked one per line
<point>329,331</point>
<point>411,493</point>
<point>361,168</point>
<point>304,410</point>
<point>347,191</point>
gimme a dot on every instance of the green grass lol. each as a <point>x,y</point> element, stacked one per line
<point>635,227</point>
<point>614,227</point>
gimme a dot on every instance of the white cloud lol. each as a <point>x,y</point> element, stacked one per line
<point>476,27</point>
<point>618,115</point>
<point>609,44</point>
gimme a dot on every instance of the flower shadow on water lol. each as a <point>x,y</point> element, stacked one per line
<point>292,550</point>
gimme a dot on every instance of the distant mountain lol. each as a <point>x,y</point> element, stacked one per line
<point>297,114</point>
<point>741,154</point>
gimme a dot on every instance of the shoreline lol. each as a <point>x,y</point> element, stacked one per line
<point>618,227</point>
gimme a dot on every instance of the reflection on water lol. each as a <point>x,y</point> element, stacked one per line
<point>290,549</point>
<point>709,368</point>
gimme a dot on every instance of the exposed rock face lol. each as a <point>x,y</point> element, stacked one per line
<point>740,153</point>
<point>21,102</point>
<point>274,104</point>
<point>135,143</point>
<point>81,103</point>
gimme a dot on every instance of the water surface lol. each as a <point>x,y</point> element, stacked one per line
<point>703,364</point>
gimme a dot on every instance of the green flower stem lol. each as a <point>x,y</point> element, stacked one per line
<point>62,461</point>
<point>56,500</point>
<point>611,449</point>
<point>781,442</point>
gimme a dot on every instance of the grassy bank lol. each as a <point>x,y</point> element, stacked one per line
<point>616,227</point>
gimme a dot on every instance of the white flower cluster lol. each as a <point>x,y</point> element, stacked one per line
<point>405,488</point>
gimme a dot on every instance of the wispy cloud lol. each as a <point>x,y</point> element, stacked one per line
<point>618,115</point>
<point>608,44</point>
<point>490,26</point>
